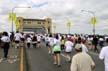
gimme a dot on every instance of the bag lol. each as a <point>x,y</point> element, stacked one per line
<point>3,44</point>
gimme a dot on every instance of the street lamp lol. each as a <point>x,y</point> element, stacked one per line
<point>69,25</point>
<point>93,19</point>
<point>13,12</point>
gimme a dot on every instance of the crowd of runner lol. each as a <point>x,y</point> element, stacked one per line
<point>57,44</point>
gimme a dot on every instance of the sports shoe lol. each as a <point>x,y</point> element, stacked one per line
<point>49,52</point>
<point>55,63</point>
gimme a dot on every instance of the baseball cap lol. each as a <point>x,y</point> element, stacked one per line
<point>78,46</point>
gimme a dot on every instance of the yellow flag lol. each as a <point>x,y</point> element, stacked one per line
<point>17,24</point>
<point>12,16</point>
<point>93,20</point>
<point>68,24</point>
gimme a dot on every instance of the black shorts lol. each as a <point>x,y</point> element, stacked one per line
<point>22,39</point>
<point>57,52</point>
<point>47,44</point>
<point>62,46</point>
<point>38,42</point>
<point>16,41</point>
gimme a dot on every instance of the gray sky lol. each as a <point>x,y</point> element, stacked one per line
<point>61,11</point>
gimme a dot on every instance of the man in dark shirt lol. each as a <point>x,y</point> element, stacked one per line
<point>95,42</point>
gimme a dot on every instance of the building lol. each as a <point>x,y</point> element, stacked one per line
<point>34,25</point>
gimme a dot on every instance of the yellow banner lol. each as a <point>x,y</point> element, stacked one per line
<point>12,16</point>
<point>93,20</point>
<point>68,24</point>
<point>17,24</point>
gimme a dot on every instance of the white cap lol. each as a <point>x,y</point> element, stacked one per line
<point>78,46</point>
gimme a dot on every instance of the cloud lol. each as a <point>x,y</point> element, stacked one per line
<point>60,11</point>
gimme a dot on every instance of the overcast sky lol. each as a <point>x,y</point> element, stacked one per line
<point>60,11</point>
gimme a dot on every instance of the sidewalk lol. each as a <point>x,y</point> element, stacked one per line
<point>12,63</point>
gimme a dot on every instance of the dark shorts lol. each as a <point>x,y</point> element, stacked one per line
<point>16,41</point>
<point>47,44</point>
<point>38,42</point>
<point>62,46</point>
<point>57,52</point>
<point>22,39</point>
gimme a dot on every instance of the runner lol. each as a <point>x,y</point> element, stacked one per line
<point>34,41</point>
<point>62,43</point>
<point>50,43</point>
<point>68,49</point>
<point>17,39</point>
<point>38,41</point>
<point>5,44</point>
<point>29,40</point>
<point>57,51</point>
<point>104,55</point>
<point>12,39</point>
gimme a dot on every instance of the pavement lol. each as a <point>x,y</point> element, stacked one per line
<point>12,63</point>
<point>38,59</point>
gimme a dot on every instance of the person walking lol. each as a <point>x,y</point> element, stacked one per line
<point>57,50</point>
<point>95,43</point>
<point>12,39</point>
<point>68,49</point>
<point>81,61</point>
<point>104,54</point>
<point>50,43</point>
<point>83,44</point>
<point>34,41</point>
<point>5,43</point>
<point>62,43</point>
<point>29,40</point>
<point>17,39</point>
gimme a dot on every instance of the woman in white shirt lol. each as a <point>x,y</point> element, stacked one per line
<point>5,41</point>
<point>29,40</point>
<point>68,49</point>
<point>57,51</point>
<point>84,47</point>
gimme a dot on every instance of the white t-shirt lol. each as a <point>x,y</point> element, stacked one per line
<point>5,39</point>
<point>29,40</point>
<point>57,42</point>
<point>51,41</point>
<point>104,56</point>
<point>84,48</point>
<point>38,38</point>
<point>101,39</point>
<point>69,46</point>
<point>17,36</point>
<point>46,39</point>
